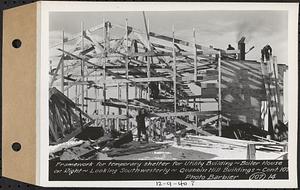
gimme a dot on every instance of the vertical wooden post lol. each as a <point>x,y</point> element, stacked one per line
<point>62,63</point>
<point>279,108</point>
<point>104,69</point>
<point>285,95</point>
<point>135,91</point>
<point>195,72</point>
<point>82,66</point>
<point>86,100</point>
<point>148,76</point>
<point>177,137</point>
<point>196,116</point>
<point>148,62</point>
<point>265,77</point>
<point>76,95</point>
<point>285,149</point>
<point>161,132</point>
<point>195,56</point>
<point>119,109</point>
<point>219,94</point>
<point>127,62</point>
<point>251,151</point>
<point>140,92</point>
<point>96,93</point>
<point>272,91</point>
<point>147,28</point>
<point>68,89</point>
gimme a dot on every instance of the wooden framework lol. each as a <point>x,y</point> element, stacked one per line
<point>162,71</point>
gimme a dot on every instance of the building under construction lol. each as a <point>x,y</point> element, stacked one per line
<point>195,97</point>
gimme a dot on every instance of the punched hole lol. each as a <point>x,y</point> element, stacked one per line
<point>16,146</point>
<point>16,43</point>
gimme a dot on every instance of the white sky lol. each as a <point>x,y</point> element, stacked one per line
<point>217,28</point>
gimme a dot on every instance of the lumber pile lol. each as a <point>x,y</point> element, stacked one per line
<point>106,146</point>
<point>66,120</point>
<point>77,150</point>
<point>202,141</point>
<point>134,148</point>
<point>251,147</point>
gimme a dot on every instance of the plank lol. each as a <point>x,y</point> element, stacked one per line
<point>77,35</point>
<point>86,61</point>
<point>135,149</point>
<point>178,41</point>
<point>191,126</point>
<point>194,113</point>
<point>102,116</point>
<point>121,81</point>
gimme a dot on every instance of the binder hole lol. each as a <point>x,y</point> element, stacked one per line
<point>16,146</point>
<point>16,43</point>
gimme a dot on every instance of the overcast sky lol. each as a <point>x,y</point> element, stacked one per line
<point>216,28</point>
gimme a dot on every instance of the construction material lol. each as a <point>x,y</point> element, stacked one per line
<point>170,78</point>
<point>66,119</point>
<point>191,126</point>
<point>134,148</point>
<point>134,61</point>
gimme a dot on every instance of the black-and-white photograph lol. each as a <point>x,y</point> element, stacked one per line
<point>168,85</point>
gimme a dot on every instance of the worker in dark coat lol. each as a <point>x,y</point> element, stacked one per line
<point>231,55</point>
<point>266,52</point>
<point>230,47</point>
<point>141,127</point>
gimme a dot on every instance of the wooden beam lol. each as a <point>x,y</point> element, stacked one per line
<point>232,51</point>
<point>275,70</point>
<point>99,48</point>
<point>82,65</point>
<point>134,80</point>
<point>78,35</point>
<point>105,31</point>
<point>214,118</point>
<point>56,72</point>
<point>96,97</point>
<point>195,56</point>
<point>120,81</point>
<point>174,71</point>
<point>219,94</point>
<point>181,42</point>
<point>119,109</point>
<point>127,64</point>
<point>105,116</point>
<point>164,54</point>
<point>88,62</point>
<point>191,126</point>
<point>186,113</point>
<point>62,64</point>
<point>251,152</point>
<point>150,49</point>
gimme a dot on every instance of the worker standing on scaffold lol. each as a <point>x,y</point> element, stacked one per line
<point>266,52</point>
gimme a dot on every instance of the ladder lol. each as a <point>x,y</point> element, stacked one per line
<point>270,80</point>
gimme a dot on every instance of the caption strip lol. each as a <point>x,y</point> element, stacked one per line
<point>168,170</point>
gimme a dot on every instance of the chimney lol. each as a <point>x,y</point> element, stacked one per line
<point>241,47</point>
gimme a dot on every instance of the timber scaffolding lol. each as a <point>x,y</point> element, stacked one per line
<point>111,66</point>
